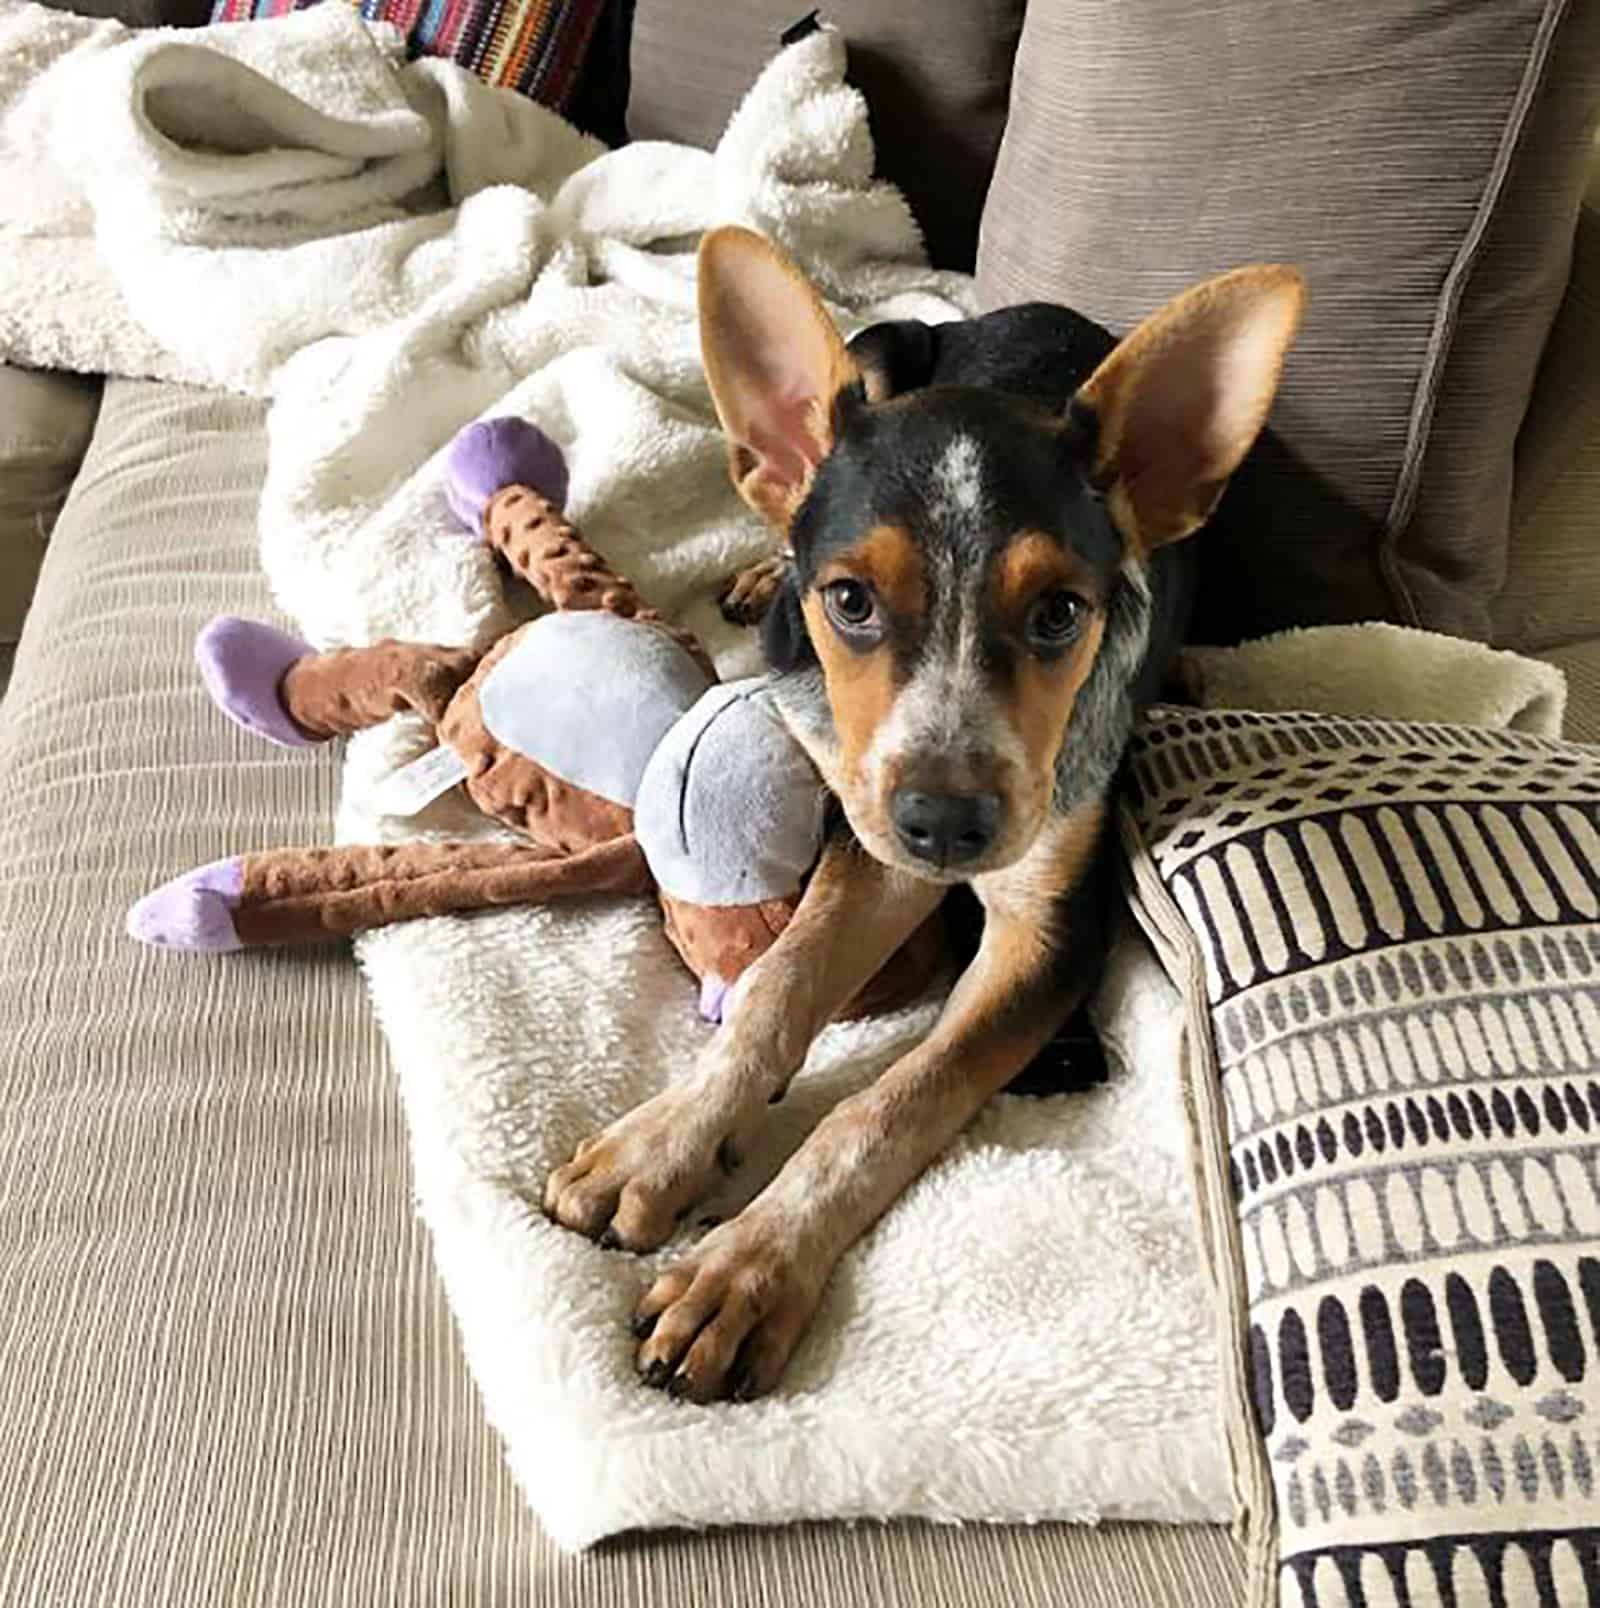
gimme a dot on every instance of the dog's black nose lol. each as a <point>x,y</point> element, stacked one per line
<point>946,828</point>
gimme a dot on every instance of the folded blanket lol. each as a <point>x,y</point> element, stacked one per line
<point>200,205</point>
<point>1387,671</point>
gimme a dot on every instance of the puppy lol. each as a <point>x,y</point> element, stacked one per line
<point>983,579</point>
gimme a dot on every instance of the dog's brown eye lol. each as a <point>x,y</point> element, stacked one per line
<point>849,604</point>
<point>1056,618</point>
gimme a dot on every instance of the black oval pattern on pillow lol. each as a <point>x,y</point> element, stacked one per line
<point>1471,1353</point>
<point>1383,1362</point>
<point>1421,1323</point>
<point>1294,1366</point>
<point>1589,1283</point>
<point>1338,1353</point>
<point>1560,1320</point>
<point>1511,1327</point>
<point>1261,1379</point>
<point>1370,1348</point>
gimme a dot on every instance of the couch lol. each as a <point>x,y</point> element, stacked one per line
<point>227,1372</point>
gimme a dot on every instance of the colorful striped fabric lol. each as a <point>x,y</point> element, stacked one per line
<point>536,47</point>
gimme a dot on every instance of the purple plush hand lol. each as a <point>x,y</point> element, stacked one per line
<point>495,453</point>
<point>243,663</point>
<point>194,911</point>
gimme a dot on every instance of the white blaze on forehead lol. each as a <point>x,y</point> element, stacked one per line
<point>958,478</point>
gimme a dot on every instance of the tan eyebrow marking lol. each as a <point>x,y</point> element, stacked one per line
<point>1030,563</point>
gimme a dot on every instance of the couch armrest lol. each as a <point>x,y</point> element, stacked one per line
<point>1552,590</point>
<point>45,424</point>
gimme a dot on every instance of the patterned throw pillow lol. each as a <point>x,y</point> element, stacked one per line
<point>536,47</point>
<point>1389,936</point>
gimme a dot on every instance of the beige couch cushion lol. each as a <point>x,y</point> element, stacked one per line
<point>1552,590</point>
<point>227,1372</point>
<point>1581,663</point>
<point>45,424</point>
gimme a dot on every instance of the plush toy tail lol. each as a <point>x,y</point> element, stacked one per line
<point>289,896</point>
<point>279,687</point>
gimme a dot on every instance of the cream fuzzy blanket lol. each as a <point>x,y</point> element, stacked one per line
<point>1026,1335</point>
<point>1385,672</point>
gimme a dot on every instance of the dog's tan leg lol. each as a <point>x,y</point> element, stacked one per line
<point>630,1184</point>
<point>725,1319</point>
<point>750,593</point>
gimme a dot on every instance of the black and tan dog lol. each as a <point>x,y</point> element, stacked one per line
<point>982,581</point>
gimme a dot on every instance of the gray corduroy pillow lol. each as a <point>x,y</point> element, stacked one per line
<point>1422,163</point>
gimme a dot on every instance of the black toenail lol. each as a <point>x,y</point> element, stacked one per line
<point>677,1386</point>
<point>643,1325</point>
<point>710,1220</point>
<point>656,1374</point>
<point>742,1387</point>
<point>611,1241</point>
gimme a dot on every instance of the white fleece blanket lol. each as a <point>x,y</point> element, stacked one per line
<point>1026,1335</point>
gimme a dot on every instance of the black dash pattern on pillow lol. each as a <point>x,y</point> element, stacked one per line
<point>1399,927</point>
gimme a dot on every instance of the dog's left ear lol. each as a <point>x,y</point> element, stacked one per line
<point>776,365</point>
<point>1181,400</point>
<point>895,357</point>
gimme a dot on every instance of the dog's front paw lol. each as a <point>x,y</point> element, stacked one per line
<point>723,1321</point>
<point>750,593</point>
<point>629,1186</point>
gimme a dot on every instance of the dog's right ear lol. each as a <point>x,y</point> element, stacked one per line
<point>895,357</point>
<point>785,641</point>
<point>776,366</point>
<point>1179,402</point>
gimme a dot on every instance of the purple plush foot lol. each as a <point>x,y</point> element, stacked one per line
<point>192,912</point>
<point>243,663</point>
<point>495,453</point>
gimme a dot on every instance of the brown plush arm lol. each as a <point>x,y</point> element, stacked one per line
<point>334,694</point>
<point>305,895</point>
<point>540,544</point>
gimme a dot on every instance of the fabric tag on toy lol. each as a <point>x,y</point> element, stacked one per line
<point>415,786</point>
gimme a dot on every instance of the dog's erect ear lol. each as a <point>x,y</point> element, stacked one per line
<point>776,366</point>
<point>895,357</point>
<point>1181,400</point>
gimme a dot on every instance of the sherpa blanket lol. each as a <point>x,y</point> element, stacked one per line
<point>388,251</point>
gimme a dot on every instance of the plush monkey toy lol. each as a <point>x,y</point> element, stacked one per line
<point>597,732</point>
